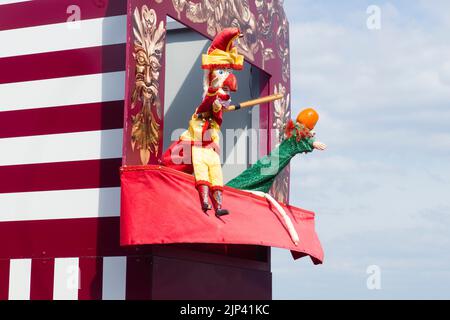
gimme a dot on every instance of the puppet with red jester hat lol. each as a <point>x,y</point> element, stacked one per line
<point>203,134</point>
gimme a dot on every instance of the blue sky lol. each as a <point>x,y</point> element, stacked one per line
<point>381,192</point>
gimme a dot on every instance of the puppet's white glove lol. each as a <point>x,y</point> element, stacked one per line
<point>319,145</point>
<point>225,103</point>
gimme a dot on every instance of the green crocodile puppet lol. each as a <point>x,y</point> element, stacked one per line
<point>299,138</point>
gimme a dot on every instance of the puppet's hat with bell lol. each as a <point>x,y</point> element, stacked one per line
<point>222,54</point>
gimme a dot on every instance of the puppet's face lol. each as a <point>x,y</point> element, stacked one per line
<point>223,79</point>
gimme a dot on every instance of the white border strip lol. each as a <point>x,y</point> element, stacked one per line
<point>63,36</point>
<point>60,204</point>
<point>101,87</point>
<point>114,278</point>
<point>77,146</point>
<point>66,280</point>
<point>2,2</point>
<point>19,279</point>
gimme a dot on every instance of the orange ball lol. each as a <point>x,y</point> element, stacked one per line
<point>308,117</point>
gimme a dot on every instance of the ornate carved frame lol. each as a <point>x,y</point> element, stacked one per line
<point>265,45</point>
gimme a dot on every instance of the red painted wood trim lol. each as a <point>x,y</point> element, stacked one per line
<point>54,120</point>
<point>42,12</point>
<point>91,273</point>
<point>42,278</point>
<point>4,279</point>
<point>66,63</point>
<point>48,176</point>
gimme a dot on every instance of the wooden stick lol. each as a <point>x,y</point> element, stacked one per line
<point>254,102</point>
<point>246,104</point>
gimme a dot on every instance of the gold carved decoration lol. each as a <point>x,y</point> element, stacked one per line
<point>270,12</point>
<point>282,115</point>
<point>219,14</point>
<point>149,38</point>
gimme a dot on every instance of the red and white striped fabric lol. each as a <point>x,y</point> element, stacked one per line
<point>61,120</point>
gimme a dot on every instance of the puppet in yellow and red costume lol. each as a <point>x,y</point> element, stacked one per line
<point>203,133</point>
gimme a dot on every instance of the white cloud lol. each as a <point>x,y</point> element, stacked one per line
<point>380,191</point>
<point>444,73</point>
<point>355,70</point>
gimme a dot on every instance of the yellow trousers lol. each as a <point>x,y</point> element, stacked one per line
<point>195,131</point>
<point>207,167</point>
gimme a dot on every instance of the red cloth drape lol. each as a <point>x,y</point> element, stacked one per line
<point>160,205</point>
